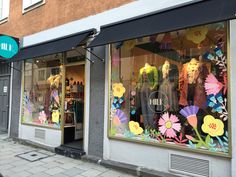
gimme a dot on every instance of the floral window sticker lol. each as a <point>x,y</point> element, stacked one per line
<point>212,85</point>
<point>118,90</point>
<point>117,103</point>
<point>135,128</point>
<point>121,116</point>
<point>197,34</point>
<point>218,104</point>
<point>55,116</point>
<point>213,127</point>
<point>169,125</point>
<point>190,112</point>
<point>218,57</point>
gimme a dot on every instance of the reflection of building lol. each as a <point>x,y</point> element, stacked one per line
<point>178,139</point>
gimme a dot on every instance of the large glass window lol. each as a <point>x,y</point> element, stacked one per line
<point>171,88</point>
<point>43,91</point>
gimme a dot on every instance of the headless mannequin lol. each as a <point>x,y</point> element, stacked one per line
<point>168,79</point>
<point>191,83</point>
<point>148,77</point>
<point>192,70</point>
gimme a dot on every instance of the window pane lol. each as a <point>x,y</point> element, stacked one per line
<point>171,88</point>
<point>42,91</point>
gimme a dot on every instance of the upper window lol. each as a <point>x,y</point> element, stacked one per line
<point>31,4</point>
<point>171,89</point>
<point>4,9</point>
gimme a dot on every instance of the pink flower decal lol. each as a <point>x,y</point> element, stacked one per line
<point>168,125</point>
<point>212,85</point>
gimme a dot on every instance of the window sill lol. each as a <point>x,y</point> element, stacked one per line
<point>4,20</point>
<point>32,7</point>
<point>39,125</point>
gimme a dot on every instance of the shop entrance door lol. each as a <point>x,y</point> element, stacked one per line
<point>74,106</point>
<point>4,103</point>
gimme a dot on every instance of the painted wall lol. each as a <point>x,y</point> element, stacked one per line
<point>52,136</point>
<point>158,158</point>
<point>16,96</point>
<point>96,117</point>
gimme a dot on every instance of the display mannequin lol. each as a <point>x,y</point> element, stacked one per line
<point>168,81</point>
<point>148,77</point>
<point>191,83</point>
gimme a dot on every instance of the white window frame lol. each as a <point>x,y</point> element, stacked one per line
<point>4,12</point>
<point>28,5</point>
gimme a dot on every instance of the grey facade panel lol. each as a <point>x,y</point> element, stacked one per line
<point>97,93</point>
<point>5,69</point>
<point>16,96</point>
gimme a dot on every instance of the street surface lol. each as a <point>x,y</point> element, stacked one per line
<point>52,166</point>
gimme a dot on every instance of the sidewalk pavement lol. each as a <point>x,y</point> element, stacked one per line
<point>52,166</point>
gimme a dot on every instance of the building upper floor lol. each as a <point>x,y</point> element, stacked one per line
<point>24,17</point>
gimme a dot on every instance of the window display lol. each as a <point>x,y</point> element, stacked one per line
<point>171,88</point>
<point>42,91</point>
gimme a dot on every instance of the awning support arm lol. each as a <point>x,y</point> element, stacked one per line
<point>83,54</point>
<point>102,60</point>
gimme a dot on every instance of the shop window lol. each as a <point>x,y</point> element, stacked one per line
<point>171,89</point>
<point>4,10</point>
<point>31,4</point>
<point>42,91</point>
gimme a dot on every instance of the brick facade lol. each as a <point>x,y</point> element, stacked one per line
<point>52,14</point>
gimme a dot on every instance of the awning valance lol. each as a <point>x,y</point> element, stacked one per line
<point>54,46</point>
<point>203,12</point>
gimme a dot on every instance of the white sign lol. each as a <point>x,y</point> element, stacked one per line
<point>5,89</point>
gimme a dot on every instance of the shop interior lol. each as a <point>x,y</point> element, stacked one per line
<point>74,106</point>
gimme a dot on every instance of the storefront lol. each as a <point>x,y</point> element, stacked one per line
<point>169,101</point>
<point>54,85</point>
<point>9,47</point>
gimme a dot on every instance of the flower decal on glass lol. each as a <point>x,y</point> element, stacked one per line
<point>135,128</point>
<point>218,104</point>
<point>117,103</point>
<point>169,125</point>
<point>122,116</point>
<point>197,34</point>
<point>116,121</point>
<point>55,116</point>
<point>118,90</point>
<point>190,112</point>
<point>214,127</point>
<point>212,85</point>
<point>218,57</point>
<point>42,117</point>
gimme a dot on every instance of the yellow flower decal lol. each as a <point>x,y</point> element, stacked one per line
<point>197,34</point>
<point>135,128</point>
<point>118,90</point>
<point>214,127</point>
<point>55,116</point>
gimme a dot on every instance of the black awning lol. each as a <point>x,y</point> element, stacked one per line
<point>54,46</point>
<point>203,12</point>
